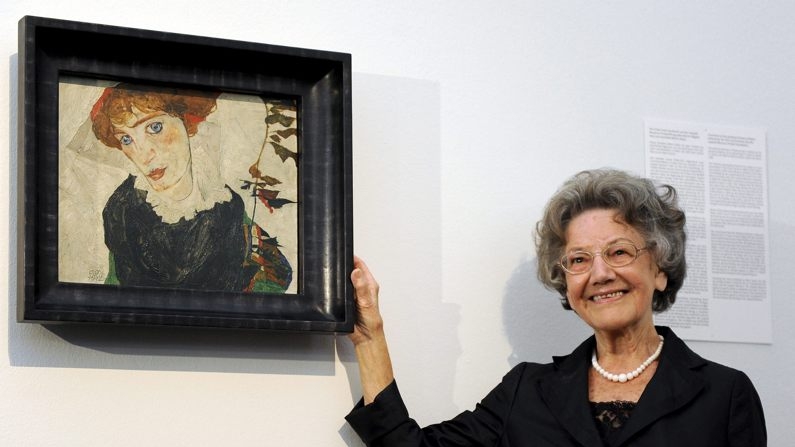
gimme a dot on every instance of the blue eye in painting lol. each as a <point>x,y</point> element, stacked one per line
<point>154,127</point>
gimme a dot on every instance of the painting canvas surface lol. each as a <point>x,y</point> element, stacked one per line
<point>247,147</point>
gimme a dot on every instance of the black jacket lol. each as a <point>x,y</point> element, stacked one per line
<point>690,401</point>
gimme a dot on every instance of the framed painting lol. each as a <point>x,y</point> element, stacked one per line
<point>168,179</point>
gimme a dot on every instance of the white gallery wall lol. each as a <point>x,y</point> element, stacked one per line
<point>467,116</point>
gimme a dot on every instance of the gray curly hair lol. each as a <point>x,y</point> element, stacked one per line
<point>650,209</point>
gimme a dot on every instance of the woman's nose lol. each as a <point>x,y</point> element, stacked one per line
<point>601,271</point>
<point>146,154</point>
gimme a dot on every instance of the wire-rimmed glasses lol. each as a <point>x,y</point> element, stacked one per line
<point>619,254</point>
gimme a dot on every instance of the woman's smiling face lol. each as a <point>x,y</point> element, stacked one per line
<point>157,143</point>
<point>611,298</point>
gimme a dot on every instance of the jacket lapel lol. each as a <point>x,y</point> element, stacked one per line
<point>674,385</point>
<point>566,394</point>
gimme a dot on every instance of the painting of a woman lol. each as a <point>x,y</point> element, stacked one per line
<point>174,222</point>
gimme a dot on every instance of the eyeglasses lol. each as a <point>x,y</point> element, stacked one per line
<point>615,255</point>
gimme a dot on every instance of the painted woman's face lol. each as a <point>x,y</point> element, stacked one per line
<point>158,145</point>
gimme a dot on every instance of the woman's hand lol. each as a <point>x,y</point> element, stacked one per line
<point>375,365</point>
<point>368,317</point>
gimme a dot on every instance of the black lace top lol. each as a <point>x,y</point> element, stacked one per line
<point>611,416</point>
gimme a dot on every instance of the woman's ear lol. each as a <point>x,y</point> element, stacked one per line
<point>661,280</point>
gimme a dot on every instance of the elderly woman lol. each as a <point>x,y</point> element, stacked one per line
<point>612,245</point>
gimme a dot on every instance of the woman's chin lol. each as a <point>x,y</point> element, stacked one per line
<point>160,187</point>
<point>175,190</point>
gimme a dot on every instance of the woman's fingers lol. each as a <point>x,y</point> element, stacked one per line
<point>364,284</point>
<point>365,290</point>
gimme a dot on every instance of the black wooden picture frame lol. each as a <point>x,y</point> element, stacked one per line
<point>318,82</point>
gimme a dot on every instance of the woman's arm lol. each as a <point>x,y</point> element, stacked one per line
<point>747,419</point>
<point>375,365</point>
<point>386,421</point>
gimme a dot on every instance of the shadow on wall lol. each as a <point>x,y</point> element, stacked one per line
<point>398,220</point>
<point>535,323</point>
<point>169,349</point>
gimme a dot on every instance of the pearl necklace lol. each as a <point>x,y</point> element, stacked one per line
<point>626,377</point>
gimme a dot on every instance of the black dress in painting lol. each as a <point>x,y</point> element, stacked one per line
<point>211,251</point>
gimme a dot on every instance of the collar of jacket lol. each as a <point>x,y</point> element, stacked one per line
<point>675,383</point>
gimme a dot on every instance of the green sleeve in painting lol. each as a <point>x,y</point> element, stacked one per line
<point>111,278</point>
<point>268,287</point>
